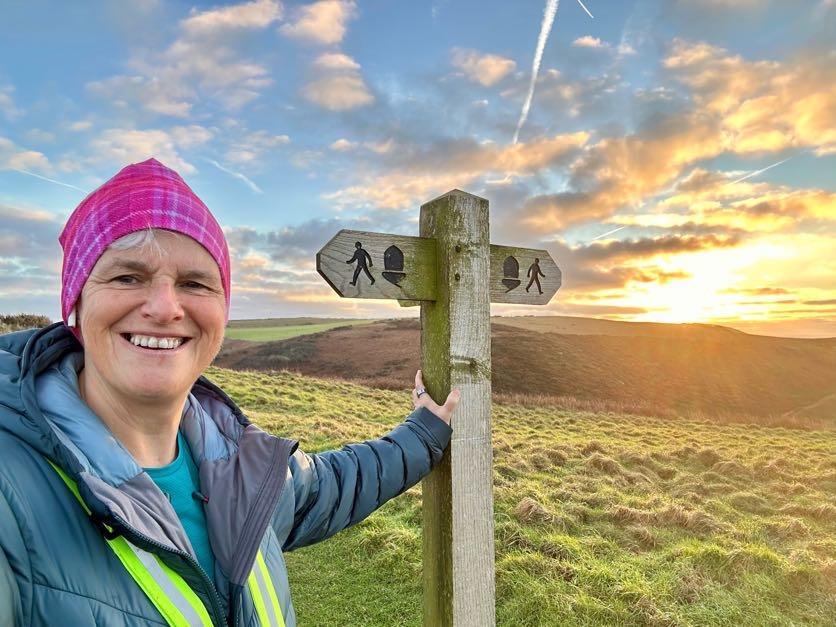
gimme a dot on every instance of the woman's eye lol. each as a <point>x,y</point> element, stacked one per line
<point>194,285</point>
<point>125,279</point>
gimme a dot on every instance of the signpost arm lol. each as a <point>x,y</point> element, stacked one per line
<point>455,353</point>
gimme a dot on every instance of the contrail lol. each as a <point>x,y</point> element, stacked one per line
<point>545,28</point>
<point>549,13</point>
<point>585,9</point>
<point>237,175</point>
<point>43,178</point>
<point>761,171</point>
<point>608,233</point>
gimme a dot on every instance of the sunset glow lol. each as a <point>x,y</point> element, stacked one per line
<point>676,159</point>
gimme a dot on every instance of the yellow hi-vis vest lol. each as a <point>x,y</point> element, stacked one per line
<point>171,595</point>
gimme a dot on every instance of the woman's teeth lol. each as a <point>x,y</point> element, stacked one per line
<point>147,341</point>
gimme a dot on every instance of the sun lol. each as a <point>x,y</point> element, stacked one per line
<point>710,292</point>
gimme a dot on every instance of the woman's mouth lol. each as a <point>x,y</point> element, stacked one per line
<point>154,342</point>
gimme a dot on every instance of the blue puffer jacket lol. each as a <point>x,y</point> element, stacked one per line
<point>263,493</point>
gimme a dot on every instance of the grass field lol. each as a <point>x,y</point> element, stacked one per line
<point>269,330</point>
<point>601,518</point>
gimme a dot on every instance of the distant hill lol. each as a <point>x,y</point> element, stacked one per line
<point>646,368</point>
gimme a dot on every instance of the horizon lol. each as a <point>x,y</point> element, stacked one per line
<point>675,158</point>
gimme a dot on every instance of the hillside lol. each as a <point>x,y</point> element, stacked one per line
<point>648,368</point>
<point>601,518</point>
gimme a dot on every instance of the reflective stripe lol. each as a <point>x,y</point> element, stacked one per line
<point>171,595</point>
<point>182,598</point>
<point>264,595</point>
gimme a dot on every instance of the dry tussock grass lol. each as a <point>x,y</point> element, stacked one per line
<point>593,446</point>
<point>786,528</point>
<point>822,511</point>
<point>653,410</point>
<point>731,468</point>
<point>692,519</point>
<point>643,537</point>
<point>529,510</point>
<point>605,464</point>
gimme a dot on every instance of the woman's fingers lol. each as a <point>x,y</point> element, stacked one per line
<point>445,412</point>
<point>452,401</point>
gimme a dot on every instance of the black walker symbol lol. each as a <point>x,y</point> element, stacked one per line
<point>535,274</point>
<point>360,256</point>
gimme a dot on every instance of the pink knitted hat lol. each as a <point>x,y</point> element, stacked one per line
<point>142,195</point>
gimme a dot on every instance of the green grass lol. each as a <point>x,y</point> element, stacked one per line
<point>601,518</point>
<point>272,332</point>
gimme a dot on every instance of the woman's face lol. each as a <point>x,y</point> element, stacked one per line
<point>172,298</point>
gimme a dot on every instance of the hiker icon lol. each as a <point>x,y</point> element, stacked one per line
<point>535,274</point>
<point>360,256</point>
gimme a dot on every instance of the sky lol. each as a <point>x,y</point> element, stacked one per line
<point>676,158</point>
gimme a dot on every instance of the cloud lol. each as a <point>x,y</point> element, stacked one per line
<point>340,87</point>
<point>588,95</point>
<point>335,61</point>
<point>12,157</point>
<point>653,246</point>
<point>121,146</point>
<point>252,146</point>
<point>191,135</point>
<point>343,145</point>
<point>324,22</point>
<point>716,199</point>
<point>166,97</point>
<point>30,259</point>
<point>415,175</point>
<point>588,41</point>
<point>81,125</point>
<point>482,68</point>
<point>250,15</point>
<point>201,63</point>
<point>346,145</point>
<point>7,104</point>
<point>758,291</point>
<point>763,106</point>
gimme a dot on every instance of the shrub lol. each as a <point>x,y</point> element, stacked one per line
<point>18,322</point>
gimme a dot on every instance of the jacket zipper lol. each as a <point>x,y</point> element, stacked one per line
<point>217,606</point>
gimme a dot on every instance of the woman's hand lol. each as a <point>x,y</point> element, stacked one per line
<point>445,412</point>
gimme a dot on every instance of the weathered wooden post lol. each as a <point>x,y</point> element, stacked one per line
<point>455,273</point>
<point>456,353</point>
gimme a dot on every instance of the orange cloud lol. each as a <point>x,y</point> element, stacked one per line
<point>457,164</point>
<point>765,106</point>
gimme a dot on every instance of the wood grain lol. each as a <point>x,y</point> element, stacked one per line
<point>455,345</point>
<point>418,282</point>
<point>510,293</point>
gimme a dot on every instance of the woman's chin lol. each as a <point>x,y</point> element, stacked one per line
<point>156,389</point>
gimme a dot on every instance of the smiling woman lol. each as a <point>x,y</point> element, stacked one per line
<point>146,495</point>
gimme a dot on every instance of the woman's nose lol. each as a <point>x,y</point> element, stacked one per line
<point>163,303</point>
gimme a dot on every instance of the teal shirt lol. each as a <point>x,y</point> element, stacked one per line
<point>179,480</point>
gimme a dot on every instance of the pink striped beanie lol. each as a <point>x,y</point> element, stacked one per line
<point>140,196</point>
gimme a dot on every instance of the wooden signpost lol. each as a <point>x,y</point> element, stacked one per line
<point>455,273</point>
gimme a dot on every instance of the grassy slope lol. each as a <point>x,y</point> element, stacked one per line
<point>660,369</point>
<point>601,518</point>
<point>283,329</point>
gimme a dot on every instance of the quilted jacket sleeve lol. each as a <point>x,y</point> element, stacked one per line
<point>339,488</point>
<point>10,609</point>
